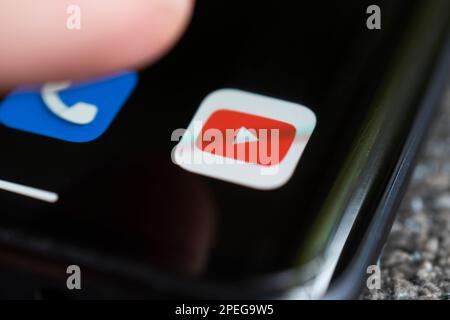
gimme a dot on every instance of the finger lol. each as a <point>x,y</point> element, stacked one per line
<point>37,44</point>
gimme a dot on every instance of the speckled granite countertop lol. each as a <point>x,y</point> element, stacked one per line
<point>416,261</point>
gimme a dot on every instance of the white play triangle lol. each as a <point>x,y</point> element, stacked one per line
<point>244,135</point>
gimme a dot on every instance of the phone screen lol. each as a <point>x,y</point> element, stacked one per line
<point>115,189</point>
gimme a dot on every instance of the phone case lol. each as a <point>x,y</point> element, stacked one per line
<point>351,281</point>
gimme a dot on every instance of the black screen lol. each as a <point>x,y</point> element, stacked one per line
<point>122,194</point>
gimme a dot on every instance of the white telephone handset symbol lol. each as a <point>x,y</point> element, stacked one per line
<point>80,113</point>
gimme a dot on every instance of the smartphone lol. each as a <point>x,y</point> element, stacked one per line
<point>109,175</point>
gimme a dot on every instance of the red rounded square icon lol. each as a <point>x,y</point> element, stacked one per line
<point>246,137</point>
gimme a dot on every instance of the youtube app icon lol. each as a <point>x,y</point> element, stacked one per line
<point>251,138</point>
<point>245,138</point>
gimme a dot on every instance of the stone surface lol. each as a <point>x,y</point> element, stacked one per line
<point>416,261</point>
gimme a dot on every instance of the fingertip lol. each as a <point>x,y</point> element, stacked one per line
<point>112,35</point>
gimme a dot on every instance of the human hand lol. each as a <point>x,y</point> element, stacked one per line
<point>36,45</point>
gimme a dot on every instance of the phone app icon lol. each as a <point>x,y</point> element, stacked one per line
<point>74,112</point>
<point>246,138</point>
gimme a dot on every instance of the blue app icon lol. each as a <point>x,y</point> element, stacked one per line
<point>78,112</point>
